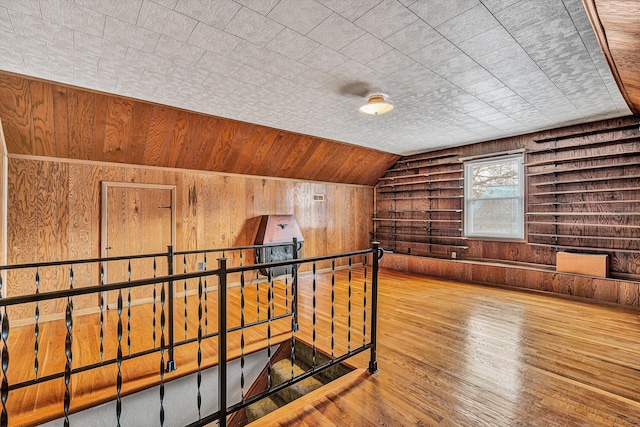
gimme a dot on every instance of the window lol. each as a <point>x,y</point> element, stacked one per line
<point>494,198</point>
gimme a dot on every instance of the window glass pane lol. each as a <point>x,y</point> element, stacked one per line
<point>496,217</point>
<point>495,179</point>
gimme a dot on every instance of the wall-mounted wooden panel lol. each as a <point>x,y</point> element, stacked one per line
<point>47,119</point>
<point>55,215</point>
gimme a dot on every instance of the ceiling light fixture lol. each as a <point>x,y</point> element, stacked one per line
<point>376,105</point>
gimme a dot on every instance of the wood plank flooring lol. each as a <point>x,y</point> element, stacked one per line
<point>456,354</point>
<point>449,354</point>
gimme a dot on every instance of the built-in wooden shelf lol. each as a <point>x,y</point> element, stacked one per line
<point>409,227</point>
<point>585,248</point>
<point>582,180</point>
<point>582,168</point>
<point>430,157</point>
<point>426,181</point>
<point>416,220</point>
<point>586,133</point>
<point>582,145</point>
<point>421,198</point>
<point>584,214</point>
<point>426,244</point>
<point>415,175</point>
<point>421,211</point>
<point>584,157</point>
<point>435,180</point>
<point>571,236</point>
<point>425,236</point>
<point>574,224</point>
<point>583,202</point>
<point>596,190</point>
<point>421,189</point>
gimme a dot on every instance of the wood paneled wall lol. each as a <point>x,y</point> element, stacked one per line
<point>56,213</point>
<point>52,120</point>
<point>600,164</point>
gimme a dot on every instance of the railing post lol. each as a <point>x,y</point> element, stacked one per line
<point>294,287</point>
<point>171,363</point>
<point>373,363</point>
<point>222,341</point>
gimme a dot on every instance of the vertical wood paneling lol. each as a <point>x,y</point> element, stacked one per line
<point>141,118</point>
<point>81,116</point>
<point>43,121</point>
<point>60,121</point>
<point>117,128</point>
<point>15,112</point>
<point>81,201</point>
<point>160,125</point>
<point>22,229</point>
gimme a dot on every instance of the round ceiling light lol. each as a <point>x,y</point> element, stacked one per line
<point>376,105</point>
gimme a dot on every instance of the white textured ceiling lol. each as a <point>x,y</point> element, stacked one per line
<point>457,71</point>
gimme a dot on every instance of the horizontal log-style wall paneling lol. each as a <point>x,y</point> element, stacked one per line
<point>583,195</point>
<point>47,119</point>
<point>604,290</point>
<point>55,214</point>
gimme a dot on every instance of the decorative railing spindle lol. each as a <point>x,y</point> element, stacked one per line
<point>119,360</point>
<point>68,351</point>
<point>333,306</point>
<point>364,302</point>
<point>222,342</point>
<point>155,302</point>
<point>129,309</point>
<point>377,254</point>
<point>349,310</point>
<point>206,300</point>
<point>199,360</point>
<point>242,321</point>
<point>163,298</point>
<point>102,308</point>
<point>258,296</point>
<point>4,388</point>
<point>313,310</point>
<point>184,289</point>
<point>269,314</point>
<point>36,327</point>
<point>171,363</point>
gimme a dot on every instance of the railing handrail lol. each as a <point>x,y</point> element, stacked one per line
<point>84,290</point>
<point>139,256</point>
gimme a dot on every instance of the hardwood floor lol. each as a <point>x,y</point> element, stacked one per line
<point>449,354</point>
<point>467,355</point>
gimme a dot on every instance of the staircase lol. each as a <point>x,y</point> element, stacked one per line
<point>281,372</point>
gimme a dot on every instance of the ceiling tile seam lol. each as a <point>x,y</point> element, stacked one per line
<point>587,50</point>
<point>534,61</point>
<point>355,19</point>
<point>452,18</point>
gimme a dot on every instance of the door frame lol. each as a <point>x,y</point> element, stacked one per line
<point>104,211</point>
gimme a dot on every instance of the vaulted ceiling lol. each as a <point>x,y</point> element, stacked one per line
<point>457,72</point>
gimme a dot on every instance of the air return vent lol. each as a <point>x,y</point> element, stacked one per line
<point>318,197</point>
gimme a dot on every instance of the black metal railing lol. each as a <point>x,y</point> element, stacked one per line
<point>163,279</point>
